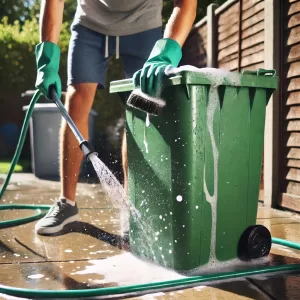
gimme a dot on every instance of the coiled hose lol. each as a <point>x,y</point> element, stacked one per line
<point>120,290</point>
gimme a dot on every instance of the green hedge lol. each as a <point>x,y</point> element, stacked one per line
<point>18,69</point>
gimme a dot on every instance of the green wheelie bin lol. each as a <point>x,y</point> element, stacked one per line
<point>194,170</point>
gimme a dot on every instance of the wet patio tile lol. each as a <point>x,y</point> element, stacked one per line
<point>120,270</point>
<point>281,287</point>
<point>95,236</point>
<point>89,195</point>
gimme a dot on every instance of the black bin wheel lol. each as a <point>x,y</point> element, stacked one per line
<point>255,242</point>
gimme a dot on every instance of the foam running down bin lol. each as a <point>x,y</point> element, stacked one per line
<point>194,170</point>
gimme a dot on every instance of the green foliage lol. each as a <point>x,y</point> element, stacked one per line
<point>17,68</point>
<point>15,10</point>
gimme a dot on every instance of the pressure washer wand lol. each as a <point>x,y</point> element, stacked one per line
<point>83,144</point>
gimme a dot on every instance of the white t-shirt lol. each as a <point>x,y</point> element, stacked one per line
<point>119,17</point>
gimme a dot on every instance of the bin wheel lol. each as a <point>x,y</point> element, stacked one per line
<point>255,242</point>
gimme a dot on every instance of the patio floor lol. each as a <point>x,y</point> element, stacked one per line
<point>88,254</point>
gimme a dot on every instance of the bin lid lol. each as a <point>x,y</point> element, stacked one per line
<point>189,75</point>
<point>50,107</point>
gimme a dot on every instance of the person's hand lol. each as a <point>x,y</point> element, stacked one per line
<point>165,54</point>
<point>47,56</point>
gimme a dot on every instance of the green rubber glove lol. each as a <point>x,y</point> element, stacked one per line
<point>47,60</point>
<point>165,54</point>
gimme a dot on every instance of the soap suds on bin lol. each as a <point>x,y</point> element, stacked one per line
<point>217,78</point>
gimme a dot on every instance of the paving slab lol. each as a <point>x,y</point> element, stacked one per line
<point>95,236</point>
<point>120,270</point>
<point>88,195</point>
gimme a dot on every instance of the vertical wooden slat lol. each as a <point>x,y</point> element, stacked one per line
<point>271,145</point>
<point>290,110</point>
<point>240,35</point>
<point>211,36</point>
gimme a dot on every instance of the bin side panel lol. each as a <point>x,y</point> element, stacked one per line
<point>203,222</point>
<point>258,112</point>
<point>188,124</point>
<point>233,171</point>
<point>210,172</point>
<point>150,187</point>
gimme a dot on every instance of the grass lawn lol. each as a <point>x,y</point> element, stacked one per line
<point>21,166</point>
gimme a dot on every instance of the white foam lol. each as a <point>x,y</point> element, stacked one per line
<point>217,76</point>
<point>36,276</point>
<point>145,141</point>
<point>148,120</point>
<point>128,269</point>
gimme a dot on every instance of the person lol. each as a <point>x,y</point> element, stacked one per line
<point>130,30</point>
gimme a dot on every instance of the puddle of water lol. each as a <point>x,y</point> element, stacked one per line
<point>128,269</point>
<point>36,276</point>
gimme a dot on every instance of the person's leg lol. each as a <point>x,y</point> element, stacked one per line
<point>87,67</point>
<point>79,102</point>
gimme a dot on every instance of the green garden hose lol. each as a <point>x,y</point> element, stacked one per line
<point>10,223</point>
<point>38,208</point>
<point>20,145</point>
<point>121,290</point>
<point>109,291</point>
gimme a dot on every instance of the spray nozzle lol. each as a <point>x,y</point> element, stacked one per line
<point>85,148</point>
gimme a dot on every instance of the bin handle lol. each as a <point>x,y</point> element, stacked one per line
<point>261,72</point>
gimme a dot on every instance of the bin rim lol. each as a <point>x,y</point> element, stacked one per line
<point>253,79</point>
<point>50,107</point>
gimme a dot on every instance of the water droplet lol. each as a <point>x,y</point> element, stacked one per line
<point>160,216</point>
<point>170,251</point>
<point>197,206</point>
<point>179,198</point>
<point>36,276</point>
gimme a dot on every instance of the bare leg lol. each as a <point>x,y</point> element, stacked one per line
<point>79,101</point>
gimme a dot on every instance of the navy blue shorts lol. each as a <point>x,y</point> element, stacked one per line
<point>89,53</point>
